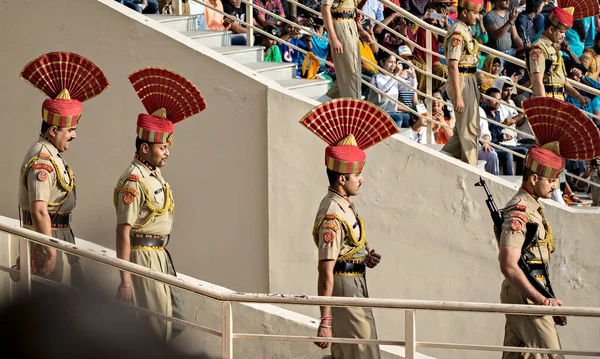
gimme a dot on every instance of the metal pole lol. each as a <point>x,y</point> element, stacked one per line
<point>179,7</point>
<point>250,20</point>
<point>227,331</point>
<point>429,83</point>
<point>25,267</point>
<point>410,334</point>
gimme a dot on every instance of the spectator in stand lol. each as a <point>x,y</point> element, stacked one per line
<point>141,6</point>
<point>508,114</point>
<point>592,173</point>
<point>576,73</point>
<point>373,9</point>
<point>396,22</point>
<point>235,8</point>
<point>502,136</point>
<point>500,25</point>
<point>320,47</point>
<point>491,65</point>
<point>487,153</point>
<point>421,39</point>
<point>215,20</point>
<point>415,7</point>
<point>441,7</point>
<point>575,36</point>
<point>293,35</point>
<point>525,21</point>
<point>388,85</point>
<point>408,78</point>
<point>311,4</point>
<point>418,125</point>
<point>480,34</point>
<point>524,126</point>
<point>591,59</point>
<point>274,6</point>
<point>271,51</point>
<point>367,53</point>
<point>441,113</point>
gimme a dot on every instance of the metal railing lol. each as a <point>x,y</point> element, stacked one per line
<point>226,299</point>
<point>429,29</point>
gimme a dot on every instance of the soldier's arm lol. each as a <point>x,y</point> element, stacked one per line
<point>40,179</point>
<point>325,283</point>
<point>509,259</point>
<point>453,77</point>
<point>537,81</point>
<point>123,250</point>
<point>328,21</point>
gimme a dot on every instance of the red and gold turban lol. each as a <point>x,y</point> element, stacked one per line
<point>68,79</point>
<point>168,98</point>
<point>563,15</point>
<point>562,131</point>
<point>349,127</point>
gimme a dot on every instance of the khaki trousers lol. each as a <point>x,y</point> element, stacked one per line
<point>347,64</point>
<point>463,144</point>
<point>155,296</point>
<point>356,323</point>
<point>527,331</point>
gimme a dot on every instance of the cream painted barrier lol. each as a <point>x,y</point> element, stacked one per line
<point>431,225</point>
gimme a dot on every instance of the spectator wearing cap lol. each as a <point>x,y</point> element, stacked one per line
<point>418,125</point>
<point>500,25</point>
<point>408,77</point>
<point>390,87</point>
<point>591,59</point>
<point>271,51</point>
<point>525,21</point>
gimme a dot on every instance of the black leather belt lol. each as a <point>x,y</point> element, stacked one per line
<point>148,240</point>
<point>467,69</point>
<point>343,15</point>
<point>554,89</point>
<point>344,267</point>
<point>59,220</point>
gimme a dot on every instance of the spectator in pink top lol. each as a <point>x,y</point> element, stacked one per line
<point>274,6</point>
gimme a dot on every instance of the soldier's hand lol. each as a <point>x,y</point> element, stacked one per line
<point>459,106</point>
<point>125,294</point>
<point>324,332</point>
<point>372,259</point>
<point>336,46</point>
<point>560,320</point>
<point>49,265</point>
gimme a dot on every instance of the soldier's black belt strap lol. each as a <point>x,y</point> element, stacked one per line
<point>59,220</point>
<point>467,69</point>
<point>148,240</point>
<point>344,267</point>
<point>554,89</point>
<point>343,15</point>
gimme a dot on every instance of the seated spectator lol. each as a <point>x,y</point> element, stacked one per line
<point>440,7</point>
<point>492,65</point>
<point>407,74</point>
<point>492,112</point>
<point>199,10</point>
<point>523,126</point>
<point>591,59</point>
<point>509,115</point>
<point>320,47</point>
<point>141,6</point>
<point>389,86</point>
<point>487,153</point>
<point>421,40</point>
<point>368,49</point>
<point>524,22</point>
<point>271,51</point>
<point>592,173</point>
<point>215,20</point>
<point>235,8</point>
<point>442,113</point>
<point>292,36</point>
<point>418,125</point>
<point>374,9</point>
<point>500,25</point>
<point>512,73</point>
<point>576,74</point>
<point>396,22</point>
<point>575,36</point>
<point>274,6</point>
<point>304,14</point>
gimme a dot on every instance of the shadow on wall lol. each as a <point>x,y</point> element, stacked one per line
<point>51,325</point>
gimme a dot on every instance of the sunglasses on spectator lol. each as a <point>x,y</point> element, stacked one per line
<point>444,5</point>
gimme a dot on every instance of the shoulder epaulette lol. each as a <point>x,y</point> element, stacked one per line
<point>44,155</point>
<point>133,178</point>
<point>42,166</point>
<point>330,216</point>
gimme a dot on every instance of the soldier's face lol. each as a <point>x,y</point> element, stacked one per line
<point>558,36</point>
<point>157,154</point>
<point>61,137</point>
<point>543,186</point>
<point>351,183</point>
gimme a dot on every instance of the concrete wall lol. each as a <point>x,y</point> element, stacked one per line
<point>432,227</point>
<point>218,164</point>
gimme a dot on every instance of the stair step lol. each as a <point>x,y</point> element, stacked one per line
<point>210,38</point>
<point>274,70</point>
<point>308,88</point>
<point>242,54</point>
<point>176,22</point>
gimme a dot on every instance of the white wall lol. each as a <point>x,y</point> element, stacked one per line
<point>218,164</point>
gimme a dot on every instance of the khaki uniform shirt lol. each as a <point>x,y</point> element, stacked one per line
<point>338,229</point>
<point>139,188</point>
<point>460,45</point>
<point>45,177</point>
<point>341,5</point>
<point>543,49</point>
<point>523,208</point>
<point>591,60</point>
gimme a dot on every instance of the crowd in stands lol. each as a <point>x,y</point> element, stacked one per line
<point>509,26</point>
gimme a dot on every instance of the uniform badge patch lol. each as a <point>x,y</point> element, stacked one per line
<point>520,215</point>
<point>328,236</point>
<point>330,216</point>
<point>516,225</point>
<point>535,54</point>
<point>331,225</point>
<point>128,198</point>
<point>455,42</point>
<point>42,166</point>
<point>42,176</point>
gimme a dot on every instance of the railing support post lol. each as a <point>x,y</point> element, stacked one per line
<point>250,21</point>
<point>25,267</point>
<point>227,331</point>
<point>410,334</point>
<point>179,7</point>
<point>429,85</point>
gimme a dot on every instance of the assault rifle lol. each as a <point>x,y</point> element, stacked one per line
<point>530,238</point>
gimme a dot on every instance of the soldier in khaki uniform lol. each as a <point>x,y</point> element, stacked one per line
<point>143,199</point>
<point>545,63</point>
<point>462,56</point>
<point>339,18</point>
<point>339,232</point>
<point>46,182</point>
<point>543,165</point>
